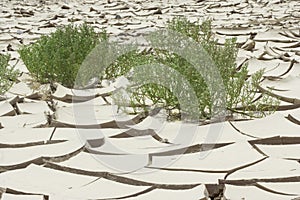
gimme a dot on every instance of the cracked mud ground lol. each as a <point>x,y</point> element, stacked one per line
<point>45,158</point>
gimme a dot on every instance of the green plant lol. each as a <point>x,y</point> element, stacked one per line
<point>241,91</point>
<point>126,62</point>
<point>57,57</point>
<point>7,75</point>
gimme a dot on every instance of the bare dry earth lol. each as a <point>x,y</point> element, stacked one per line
<point>139,157</point>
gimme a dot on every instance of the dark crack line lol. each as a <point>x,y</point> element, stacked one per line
<point>119,179</point>
<point>282,98</point>
<point>272,191</point>
<point>95,152</point>
<point>37,161</point>
<point>242,167</point>
<point>287,107</point>
<point>64,157</point>
<point>134,133</point>
<point>111,124</point>
<point>276,140</point>
<point>187,150</point>
<point>210,171</point>
<point>52,134</point>
<point>284,73</point>
<point>91,182</point>
<point>278,90</point>
<point>40,161</point>
<point>18,192</point>
<point>258,150</point>
<point>31,144</point>
<point>293,119</point>
<point>189,170</point>
<point>249,182</point>
<point>241,131</point>
<point>137,133</point>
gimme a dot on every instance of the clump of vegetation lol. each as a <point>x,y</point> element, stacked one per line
<point>57,57</point>
<point>7,75</point>
<point>242,95</point>
<point>126,62</point>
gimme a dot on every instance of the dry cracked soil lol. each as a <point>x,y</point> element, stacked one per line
<point>139,157</point>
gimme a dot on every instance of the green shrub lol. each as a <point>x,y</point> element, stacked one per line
<point>241,90</point>
<point>126,62</point>
<point>7,75</point>
<point>57,57</point>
